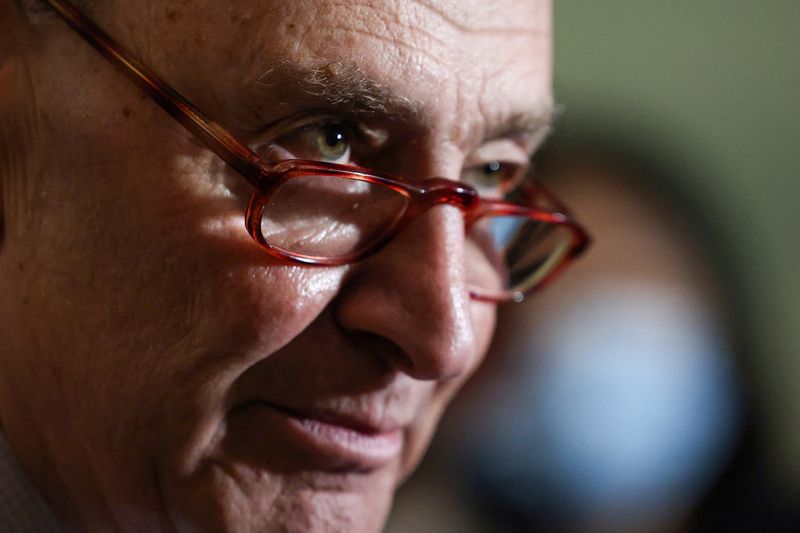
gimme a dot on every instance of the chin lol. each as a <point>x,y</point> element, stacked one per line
<point>276,471</point>
<point>235,497</point>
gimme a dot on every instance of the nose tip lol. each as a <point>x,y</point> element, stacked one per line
<point>413,293</point>
<point>438,340</point>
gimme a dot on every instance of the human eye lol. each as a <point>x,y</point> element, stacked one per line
<point>495,179</point>
<point>329,140</point>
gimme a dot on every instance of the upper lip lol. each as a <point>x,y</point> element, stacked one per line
<point>366,422</point>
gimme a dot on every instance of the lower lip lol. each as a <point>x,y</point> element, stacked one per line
<point>351,447</point>
<point>330,446</point>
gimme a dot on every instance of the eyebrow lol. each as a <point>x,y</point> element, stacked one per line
<point>530,123</point>
<point>349,88</point>
<point>337,84</point>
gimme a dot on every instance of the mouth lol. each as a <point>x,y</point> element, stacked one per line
<point>325,440</point>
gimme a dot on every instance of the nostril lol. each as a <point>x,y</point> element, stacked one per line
<point>387,354</point>
<point>422,348</point>
<point>387,351</point>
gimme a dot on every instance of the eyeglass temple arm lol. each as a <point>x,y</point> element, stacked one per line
<point>217,138</point>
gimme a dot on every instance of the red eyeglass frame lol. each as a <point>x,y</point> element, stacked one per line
<point>266,177</point>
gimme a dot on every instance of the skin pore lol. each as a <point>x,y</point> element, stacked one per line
<point>154,361</point>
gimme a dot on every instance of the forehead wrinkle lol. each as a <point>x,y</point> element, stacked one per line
<point>337,84</point>
<point>446,15</point>
<point>530,119</point>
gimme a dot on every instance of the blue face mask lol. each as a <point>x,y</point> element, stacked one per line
<point>624,402</point>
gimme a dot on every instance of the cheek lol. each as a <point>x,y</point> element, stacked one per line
<point>215,304</point>
<point>241,314</point>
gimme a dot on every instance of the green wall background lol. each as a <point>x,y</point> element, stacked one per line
<point>715,85</point>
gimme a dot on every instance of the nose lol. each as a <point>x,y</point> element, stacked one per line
<point>413,293</point>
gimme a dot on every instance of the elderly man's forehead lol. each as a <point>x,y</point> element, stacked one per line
<point>466,15</point>
<point>225,47</point>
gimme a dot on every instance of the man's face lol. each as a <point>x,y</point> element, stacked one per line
<point>159,369</point>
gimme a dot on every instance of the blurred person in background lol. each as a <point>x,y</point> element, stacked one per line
<point>631,397</point>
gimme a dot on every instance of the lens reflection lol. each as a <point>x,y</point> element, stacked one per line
<point>329,216</point>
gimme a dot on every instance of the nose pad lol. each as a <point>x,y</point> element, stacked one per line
<point>413,293</point>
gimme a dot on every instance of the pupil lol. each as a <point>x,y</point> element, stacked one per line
<point>333,137</point>
<point>494,166</point>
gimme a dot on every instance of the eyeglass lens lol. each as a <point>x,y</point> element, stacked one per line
<point>329,216</point>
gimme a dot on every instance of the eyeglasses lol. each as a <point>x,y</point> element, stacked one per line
<point>322,213</point>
